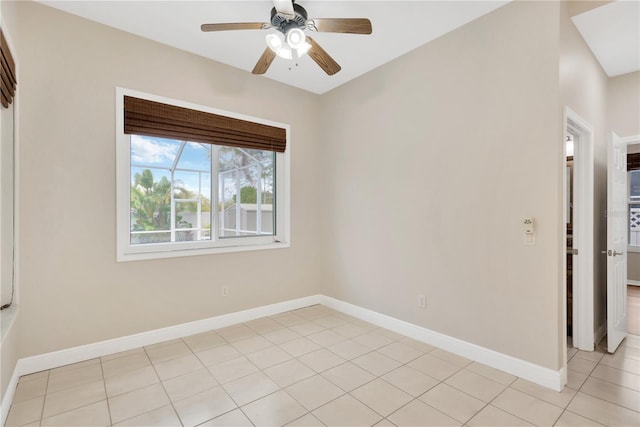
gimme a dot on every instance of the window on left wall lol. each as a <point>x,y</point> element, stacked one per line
<point>193,180</point>
<point>7,179</point>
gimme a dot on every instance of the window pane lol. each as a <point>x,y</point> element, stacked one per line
<point>634,224</point>
<point>150,207</point>
<point>195,156</point>
<point>634,185</point>
<point>150,151</point>
<point>151,190</point>
<point>246,176</point>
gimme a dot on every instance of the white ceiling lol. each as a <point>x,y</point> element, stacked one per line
<point>612,32</point>
<point>398,27</point>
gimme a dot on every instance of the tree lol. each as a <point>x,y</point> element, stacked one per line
<point>250,195</point>
<point>151,205</point>
<point>150,202</point>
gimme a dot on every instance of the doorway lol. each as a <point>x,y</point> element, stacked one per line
<point>578,238</point>
<point>569,142</point>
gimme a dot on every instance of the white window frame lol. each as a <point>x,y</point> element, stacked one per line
<point>128,252</point>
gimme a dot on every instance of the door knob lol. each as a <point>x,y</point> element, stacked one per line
<point>614,253</point>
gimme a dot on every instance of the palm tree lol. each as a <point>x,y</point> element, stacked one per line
<point>150,202</point>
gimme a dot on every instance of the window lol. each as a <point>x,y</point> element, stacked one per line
<point>180,194</point>
<point>634,208</point>
<point>7,170</point>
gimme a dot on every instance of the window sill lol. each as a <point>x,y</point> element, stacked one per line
<point>140,256</point>
<point>7,319</point>
<point>635,249</point>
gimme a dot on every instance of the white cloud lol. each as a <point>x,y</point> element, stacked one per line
<point>149,151</point>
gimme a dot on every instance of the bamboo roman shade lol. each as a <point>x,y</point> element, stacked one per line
<point>633,161</point>
<point>7,73</point>
<point>150,118</point>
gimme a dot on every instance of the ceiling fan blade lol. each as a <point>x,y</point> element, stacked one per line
<point>322,58</point>
<point>340,25</point>
<point>285,7</point>
<point>235,26</point>
<point>264,62</point>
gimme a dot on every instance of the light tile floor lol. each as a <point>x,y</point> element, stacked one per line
<point>316,366</point>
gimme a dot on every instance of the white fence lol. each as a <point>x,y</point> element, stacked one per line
<point>634,227</point>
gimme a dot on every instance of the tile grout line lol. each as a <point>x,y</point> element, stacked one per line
<point>488,403</point>
<point>316,373</point>
<point>239,407</point>
<point>597,397</point>
<point>616,384</point>
<point>518,416</point>
<point>106,395</point>
<point>576,393</point>
<point>44,400</point>
<point>376,377</point>
<point>231,397</point>
<point>218,384</point>
<point>302,416</point>
<point>163,388</point>
<point>578,390</point>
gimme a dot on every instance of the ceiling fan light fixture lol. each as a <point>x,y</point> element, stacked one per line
<point>285,53</point>
<point>274,42</point>
<point>295,38</point>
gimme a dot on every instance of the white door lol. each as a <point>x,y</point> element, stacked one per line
<point>617,228</point>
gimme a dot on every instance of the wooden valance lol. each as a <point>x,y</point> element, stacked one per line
<point>150,118</point>
<point>8,79</point>
<point>633,161</point>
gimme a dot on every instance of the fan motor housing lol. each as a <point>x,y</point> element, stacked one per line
<point>283,25</point>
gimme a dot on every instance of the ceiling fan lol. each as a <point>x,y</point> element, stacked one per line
<point>291,20</point>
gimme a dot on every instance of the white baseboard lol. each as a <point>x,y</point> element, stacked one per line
<point>633,282</point>
<point>600,333</point>
<point>90,351</point>
<point>521,368</point>
<point>30,365</point>
<point>535,373</point>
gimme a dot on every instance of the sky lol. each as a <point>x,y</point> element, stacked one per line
<point>159,152</point>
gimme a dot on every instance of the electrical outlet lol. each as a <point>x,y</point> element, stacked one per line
<point>422,301</point>
<point>225,291</point>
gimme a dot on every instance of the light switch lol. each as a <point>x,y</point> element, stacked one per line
<point>528,227</point>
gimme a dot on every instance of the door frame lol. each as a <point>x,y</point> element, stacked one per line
<point>583,231</point>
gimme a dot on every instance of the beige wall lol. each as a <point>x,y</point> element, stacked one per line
<point>623,117</point>
<point>576,7</point>
<point>623,104</point>
<point>433,161</point>
<point>73,290</point>
<point>583,88</point>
